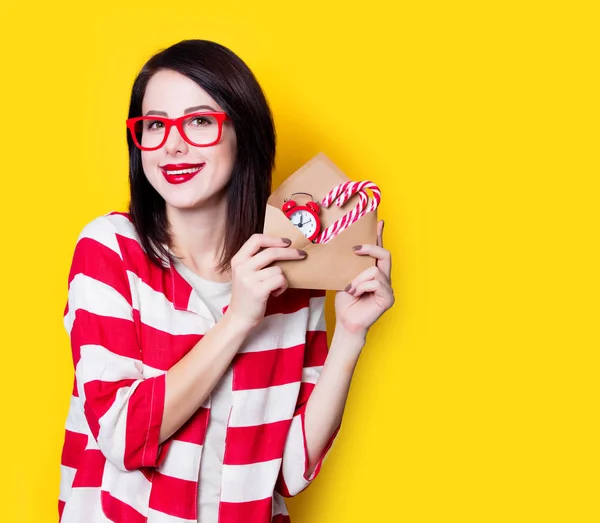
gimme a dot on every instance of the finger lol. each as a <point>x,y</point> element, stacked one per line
<point>367,286</point>
<point>256,242</point>
<point>280,291</point>
<point>383,256</point>
<point>271,254</point>
<point>380,225</point>
<point>276,285</point>
<point>372,273</point>
<point>381,289</point>
<point>267,273</point>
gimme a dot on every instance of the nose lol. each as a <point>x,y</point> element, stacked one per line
<point>175,142</point>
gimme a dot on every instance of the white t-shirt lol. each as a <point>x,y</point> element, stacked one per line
<point>216,296</point>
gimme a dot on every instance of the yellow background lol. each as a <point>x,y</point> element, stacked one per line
<point>476,399</point>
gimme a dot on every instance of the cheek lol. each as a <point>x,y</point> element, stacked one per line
<point>231,149</point>
<point>225,157</point>
<point>149,161</point>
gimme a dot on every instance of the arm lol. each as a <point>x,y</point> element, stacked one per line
<point>129,415</point>
<point>326,405</point>
<point>190,381</point>
<point>320,407</point>
<point>123,409</point>
<point>363,303</point>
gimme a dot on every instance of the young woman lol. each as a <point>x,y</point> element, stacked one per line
<point>204,388</point>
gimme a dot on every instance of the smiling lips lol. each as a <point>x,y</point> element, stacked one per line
<point>181,172</point>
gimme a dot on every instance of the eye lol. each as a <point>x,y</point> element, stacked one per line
<point>200,121</point>
<point>153,125</point>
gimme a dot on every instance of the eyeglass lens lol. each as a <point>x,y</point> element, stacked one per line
<point>199,129</point>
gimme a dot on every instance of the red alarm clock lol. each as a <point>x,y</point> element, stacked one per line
<point>304,217</point>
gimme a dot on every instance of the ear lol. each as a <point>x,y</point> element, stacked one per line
<point>314,206</point>
<point>287,206</point>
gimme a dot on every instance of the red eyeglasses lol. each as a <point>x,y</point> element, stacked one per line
<point>198,129</point>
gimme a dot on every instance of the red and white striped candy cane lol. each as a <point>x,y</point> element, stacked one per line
<point>345,220</point>
<point>360,187</point>
<point>342,193</point>
<point>335,193</point>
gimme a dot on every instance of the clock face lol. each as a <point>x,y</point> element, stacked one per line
<point>305,221</point>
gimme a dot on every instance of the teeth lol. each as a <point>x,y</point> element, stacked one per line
<point>184,171</point>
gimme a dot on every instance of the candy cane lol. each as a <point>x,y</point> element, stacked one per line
<point>345,220</point>
<point>335,192</point>
<point>361,186</point>
<point>341,194</point>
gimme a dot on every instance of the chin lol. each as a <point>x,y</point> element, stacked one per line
<point>187,202</point>
<point>193,194</point>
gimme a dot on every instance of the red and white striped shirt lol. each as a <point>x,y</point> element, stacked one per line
<point>129,322</point>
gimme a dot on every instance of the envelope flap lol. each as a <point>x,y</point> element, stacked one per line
<point>278,224</point>
<point>317,177</point>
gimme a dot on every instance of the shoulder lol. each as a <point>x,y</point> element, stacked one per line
<point>106,231</point>
<point>98,278</point>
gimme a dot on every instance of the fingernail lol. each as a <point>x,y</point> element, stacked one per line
<point>357,248</point>
<point>287,241</point>
<point>302,253</point>
<point>348,287</point>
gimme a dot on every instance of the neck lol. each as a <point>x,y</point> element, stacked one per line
<point>198,236</point>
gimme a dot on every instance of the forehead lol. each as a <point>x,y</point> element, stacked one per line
<point>172,92</point>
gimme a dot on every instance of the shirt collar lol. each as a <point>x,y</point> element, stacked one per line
<point>185,298</point>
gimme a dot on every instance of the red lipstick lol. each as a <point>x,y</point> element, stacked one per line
<point>177,173</point>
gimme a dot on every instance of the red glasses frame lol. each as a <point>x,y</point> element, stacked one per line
<point>178,123</point>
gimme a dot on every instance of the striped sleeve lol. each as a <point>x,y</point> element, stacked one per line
<point>123,409</point>
<point>293,477</point>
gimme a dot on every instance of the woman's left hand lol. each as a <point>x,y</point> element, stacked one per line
<point>370,294</point>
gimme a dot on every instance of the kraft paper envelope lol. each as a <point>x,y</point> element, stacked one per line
<point>329,266</point>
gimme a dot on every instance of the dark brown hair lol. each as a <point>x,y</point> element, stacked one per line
<point>229,81</point>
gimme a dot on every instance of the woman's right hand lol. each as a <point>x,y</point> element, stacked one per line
<point>253,282</point>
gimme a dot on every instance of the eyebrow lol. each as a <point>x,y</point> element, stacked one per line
<point>187,111</point>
